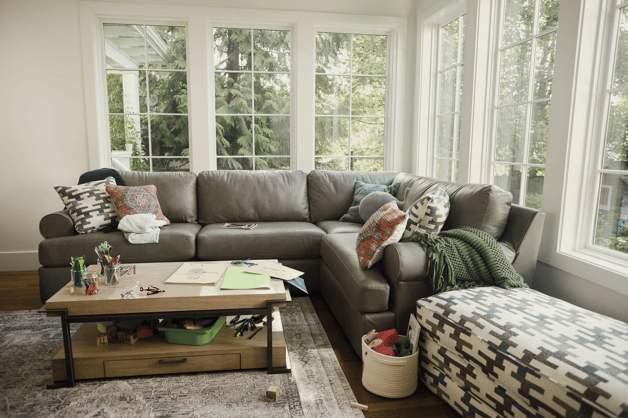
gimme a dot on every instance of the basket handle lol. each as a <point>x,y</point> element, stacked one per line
<point>398,362</point>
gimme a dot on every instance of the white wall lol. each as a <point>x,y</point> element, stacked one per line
<point>42,119</point>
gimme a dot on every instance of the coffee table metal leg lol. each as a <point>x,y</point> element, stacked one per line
<point>269,339</point>
<point>67,345</point>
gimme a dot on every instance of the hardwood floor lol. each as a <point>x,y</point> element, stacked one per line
<point>20,290</point>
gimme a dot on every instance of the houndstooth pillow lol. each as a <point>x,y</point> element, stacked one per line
<point>89,205</point>
<point>428,214</point>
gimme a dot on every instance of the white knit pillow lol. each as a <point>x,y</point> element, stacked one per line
<point>428,214</point>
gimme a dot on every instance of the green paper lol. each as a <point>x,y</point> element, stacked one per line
<point>237,278</point>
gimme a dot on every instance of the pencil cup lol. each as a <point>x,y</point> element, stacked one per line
<point>90,284</point>
<point>77,278</point>
<point>112,275</point>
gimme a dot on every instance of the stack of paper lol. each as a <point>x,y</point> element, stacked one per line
<point>198,273</point>
<point>239,278</point>
<point>275,270</point>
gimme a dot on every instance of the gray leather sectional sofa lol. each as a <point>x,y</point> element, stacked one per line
<point>298,223</point>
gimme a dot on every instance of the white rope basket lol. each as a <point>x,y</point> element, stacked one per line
<point>390,377</point>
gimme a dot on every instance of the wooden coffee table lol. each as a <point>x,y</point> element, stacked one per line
<point>81,358</point>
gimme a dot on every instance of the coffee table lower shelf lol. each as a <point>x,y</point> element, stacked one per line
<point>153,355</point>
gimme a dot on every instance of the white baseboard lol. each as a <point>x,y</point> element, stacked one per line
<point>19,261</point>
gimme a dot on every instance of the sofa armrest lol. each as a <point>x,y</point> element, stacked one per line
<point>523,233</point>
<point>57,224</point>
<point>405,269</point>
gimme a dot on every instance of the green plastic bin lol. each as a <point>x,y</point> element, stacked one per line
<point>193,336</point>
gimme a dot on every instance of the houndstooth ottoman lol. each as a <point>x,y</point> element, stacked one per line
<point>491,352</point>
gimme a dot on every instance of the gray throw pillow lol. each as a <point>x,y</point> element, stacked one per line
<point>362,190</point>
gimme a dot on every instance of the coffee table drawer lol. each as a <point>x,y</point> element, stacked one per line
<point>165,365</point>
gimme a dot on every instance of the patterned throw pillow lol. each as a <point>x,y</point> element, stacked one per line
<point>428,214</point>
<point>89,205</point>
<point>135,200</point>
<point>385,227</point>
<point>362,190</point>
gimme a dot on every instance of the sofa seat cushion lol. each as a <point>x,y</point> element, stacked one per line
<point>338,227</point>
<point>368,289</point>
<point>269,240</point>
<point>177,242</point>
<point>539,354</point>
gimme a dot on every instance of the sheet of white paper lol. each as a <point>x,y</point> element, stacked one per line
<point>275,270</point>
<point>198,273</point>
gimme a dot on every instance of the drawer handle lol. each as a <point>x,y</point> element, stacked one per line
<point>183,360</point>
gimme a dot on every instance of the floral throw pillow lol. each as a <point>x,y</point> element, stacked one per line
<point>362,190</point>
<point>89,205</point>
<point>135,200</point>
<point>428,214</point>
<point>383,228</point>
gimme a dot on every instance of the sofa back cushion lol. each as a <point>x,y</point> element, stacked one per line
<point>250,196</point>
<point>176,192</point>
<point>331,192</point>
<point>482,206</point>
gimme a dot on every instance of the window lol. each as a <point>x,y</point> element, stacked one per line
<point>612,213</point>
<point>448,99</point>
<point>350,101</point>
<point>526,55</point>
<point>146,74</point>
<point>252,76</point>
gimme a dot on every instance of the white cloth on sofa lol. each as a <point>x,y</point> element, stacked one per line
<point>141,228</point>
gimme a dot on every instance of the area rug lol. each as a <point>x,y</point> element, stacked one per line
<point>316,387</point>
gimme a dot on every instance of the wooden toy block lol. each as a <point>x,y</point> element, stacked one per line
<point>272,393</point>
<point>101,340</point>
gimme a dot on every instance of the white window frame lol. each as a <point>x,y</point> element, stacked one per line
<point>577,126</point>
<point>199,22</point>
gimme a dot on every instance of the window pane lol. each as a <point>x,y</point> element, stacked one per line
<point>126,91</point>
<point>443,170</point>
<point>272,94</point>
<point>367,136</point>
<point>327,163</point>
<point>234,93</point>
<point>447,91</point>
<point>515,74</point>
<point>233,135</point>
<point>271,50</point>
<point>510,141</point>
<point>332,95</point>
<point>169,135</point>
<point>124,46</point>
<point>369,54</point>
<point>272,163</point>
<point>620,78</point>
<point>367,164</point>
<point>168,91</point>
<point>544,71</point>
<point>548,16</point>
<point>127,131</point>
<point>272,135</point>
<point>616,150</point>
<point>612,213</point>
<point>508,177</point>
<point>534,190</point>
<point>235,163</point>
<point>449,44</point>
<point>332,135</point>
<point>445,136</point>
<point>165,47</point>
<point>232,49</point>
<point>518,20</point>
<point>171,164</point>
<point>333,53</point>
<point>538,132</point>
<point>368,96</point>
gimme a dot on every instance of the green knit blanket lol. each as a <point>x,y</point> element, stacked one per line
<point>466,257</point>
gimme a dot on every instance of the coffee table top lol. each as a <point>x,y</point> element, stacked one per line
<point>177,297</point>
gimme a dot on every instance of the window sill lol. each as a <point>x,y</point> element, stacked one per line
<point>594,266</point>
